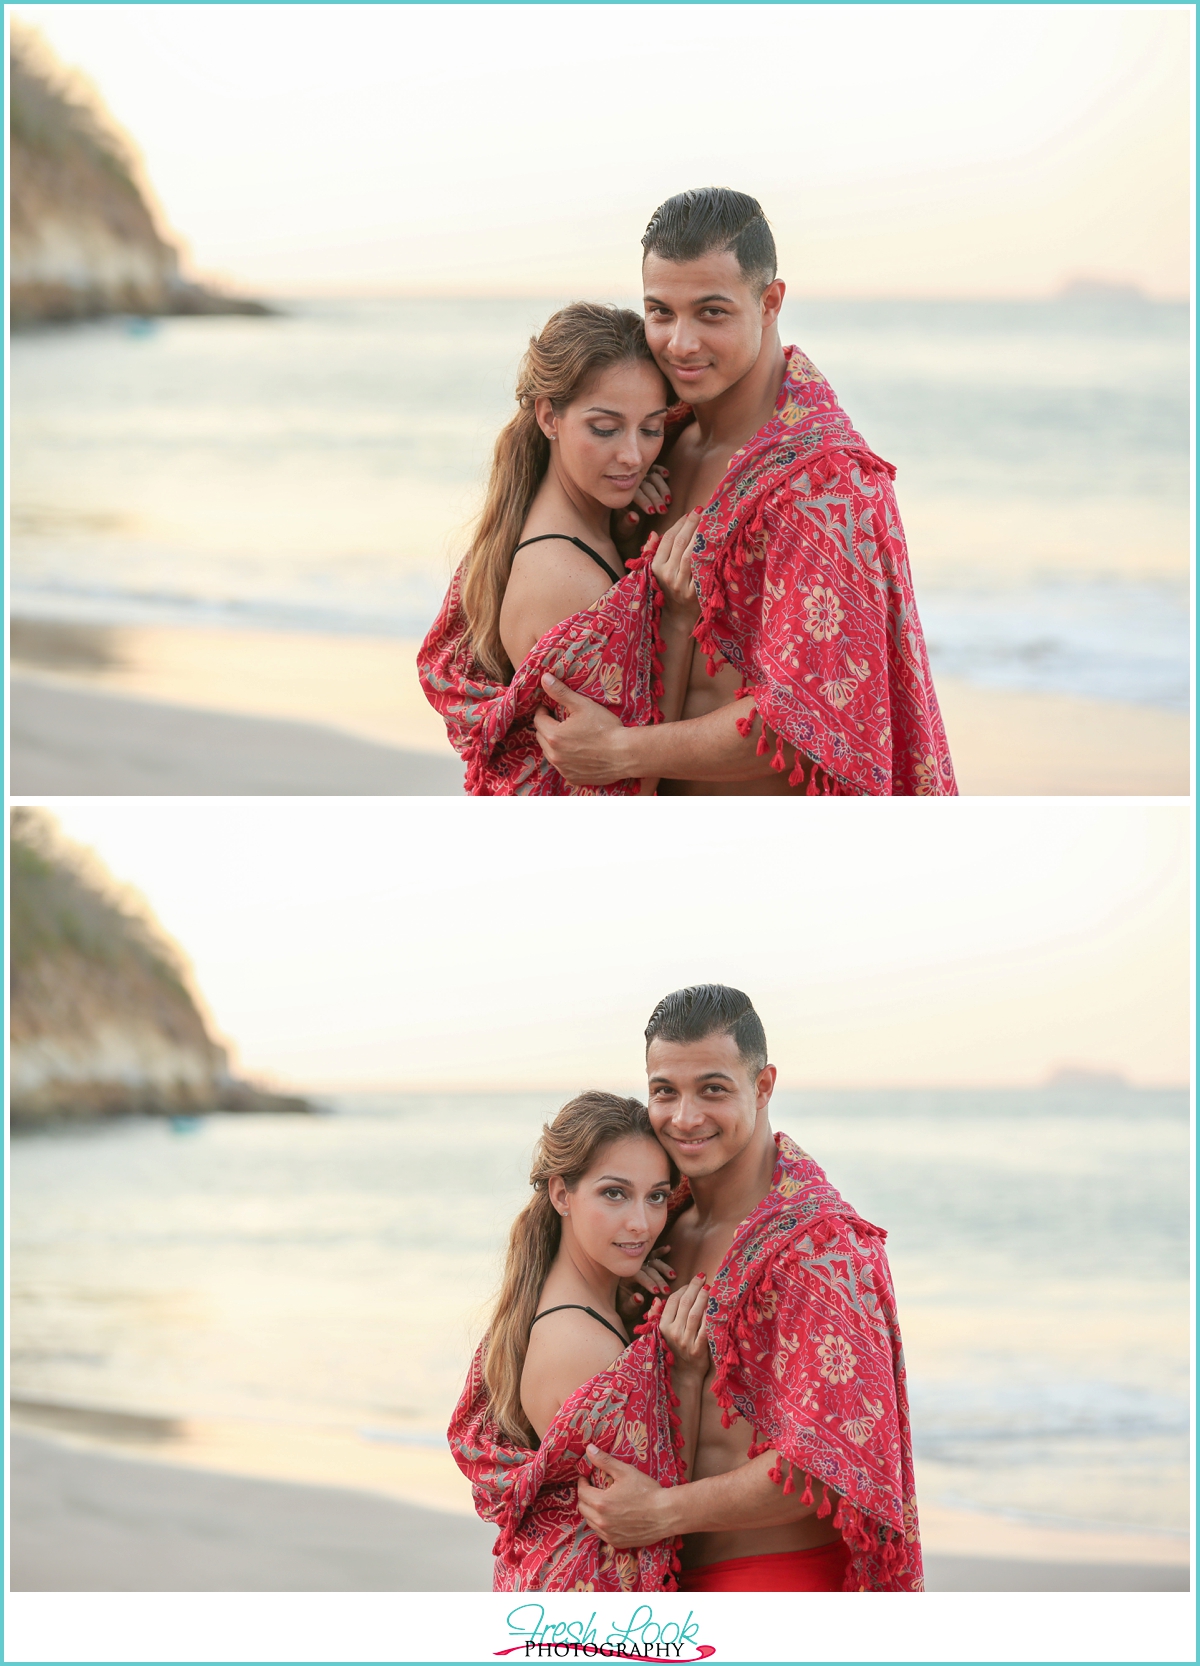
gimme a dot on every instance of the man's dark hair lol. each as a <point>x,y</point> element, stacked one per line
<point>710,1009</point>
<point>695,222</point>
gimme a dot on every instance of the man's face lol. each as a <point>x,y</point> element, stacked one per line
<point>704,1101</point>
<point>705,322</point>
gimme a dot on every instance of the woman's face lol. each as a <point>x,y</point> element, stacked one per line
<point>611,432</point>
<point>618,1209</point>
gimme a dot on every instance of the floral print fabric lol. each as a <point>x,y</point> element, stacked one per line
<point>544,1543</point>
<point>608,652</point>
<point>805,587</point>
<point>802,1324</point>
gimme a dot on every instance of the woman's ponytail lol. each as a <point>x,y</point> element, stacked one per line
<point>532,1246</point>
<point>518,465</point>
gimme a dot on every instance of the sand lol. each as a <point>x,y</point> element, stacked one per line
<point>109,1502</point>
<point>1015,745</point>
<point>132,710</point>
<point>89,1521</point>
<point>66,740</point>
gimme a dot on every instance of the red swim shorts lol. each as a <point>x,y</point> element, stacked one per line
<point>820,1569</point>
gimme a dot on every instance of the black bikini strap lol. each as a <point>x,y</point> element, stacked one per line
<point>587,550</point>
<point>579,1308</point>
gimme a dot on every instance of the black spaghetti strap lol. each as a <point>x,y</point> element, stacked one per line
<point>587,550</point>
<point>579,1308</point>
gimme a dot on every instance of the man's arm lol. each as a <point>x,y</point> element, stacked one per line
<point>591,748</point>
<point>636,1511</point>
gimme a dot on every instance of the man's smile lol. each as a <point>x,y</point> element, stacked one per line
<point>692,1143</point>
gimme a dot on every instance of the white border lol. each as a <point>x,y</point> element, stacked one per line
<point>771,1626</point>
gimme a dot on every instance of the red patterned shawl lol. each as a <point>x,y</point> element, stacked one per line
<point>806,591</point>
<point>544,1544</point>
<point>804,588</point>
<point>609,651</point>
<point>802,1325</point>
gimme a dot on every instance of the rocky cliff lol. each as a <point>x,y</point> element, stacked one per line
<point>102,1019</point>
<point>83,241</point>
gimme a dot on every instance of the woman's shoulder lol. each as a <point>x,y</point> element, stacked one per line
<point>566,1350</point>
<point>549,582</point>
<point>556,555</point>
<point>573,1328</point>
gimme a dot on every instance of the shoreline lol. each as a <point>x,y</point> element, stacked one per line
<point>200,709</point>
<point>215,710</point>
<point>244,1468</point>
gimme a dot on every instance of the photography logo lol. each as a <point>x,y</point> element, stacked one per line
<point>640,1637</point>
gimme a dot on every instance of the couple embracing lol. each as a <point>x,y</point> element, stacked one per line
<point>752,1434</point>
<point>689,575</point>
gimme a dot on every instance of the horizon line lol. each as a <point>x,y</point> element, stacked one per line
<point>1078,1080</point>
<point>371,292</point>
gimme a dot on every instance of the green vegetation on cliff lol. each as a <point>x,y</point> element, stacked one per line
<point>83,240</point>
<point>102,1017</point>
<point>63,904</point>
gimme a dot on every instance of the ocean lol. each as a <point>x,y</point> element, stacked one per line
<point>335,1270</point>
<point>319,470</point>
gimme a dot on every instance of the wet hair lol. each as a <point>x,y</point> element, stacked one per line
<point>706,1009</point>
<point>695,222</point>
<point>568,1147</point>
<point>575,345</point>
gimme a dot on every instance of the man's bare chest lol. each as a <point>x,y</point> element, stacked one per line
<point>694,1250</point>
<point>692,480</point>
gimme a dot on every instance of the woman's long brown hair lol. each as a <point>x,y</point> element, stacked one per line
<point>568,1147</point>
<point>576,343</point>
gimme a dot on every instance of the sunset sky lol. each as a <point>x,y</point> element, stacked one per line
<point>897,149</point>
<point>344,942</point>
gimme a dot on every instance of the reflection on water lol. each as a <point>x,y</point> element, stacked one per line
<point>337,1269</point>
<point>317,471</point>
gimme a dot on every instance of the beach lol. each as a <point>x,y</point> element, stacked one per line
<point>198,1511</point>
<point>139,709</point>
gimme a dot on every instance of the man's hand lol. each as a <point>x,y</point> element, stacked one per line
<point>587,747</point>
<point>671,565</point>
<point>629,1513</point>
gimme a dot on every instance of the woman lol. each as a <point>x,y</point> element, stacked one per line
<point>557,1370</point>
<point>546,584</point>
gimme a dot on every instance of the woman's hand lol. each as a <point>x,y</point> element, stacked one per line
<point>629,525</point>
<point>654,1275</point>
<point>684,1328</point>
<point>672,567</point>
<point>654,494</point>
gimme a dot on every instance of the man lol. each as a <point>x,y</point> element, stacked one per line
<point>800,559</point>
<point>802,1478</point>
